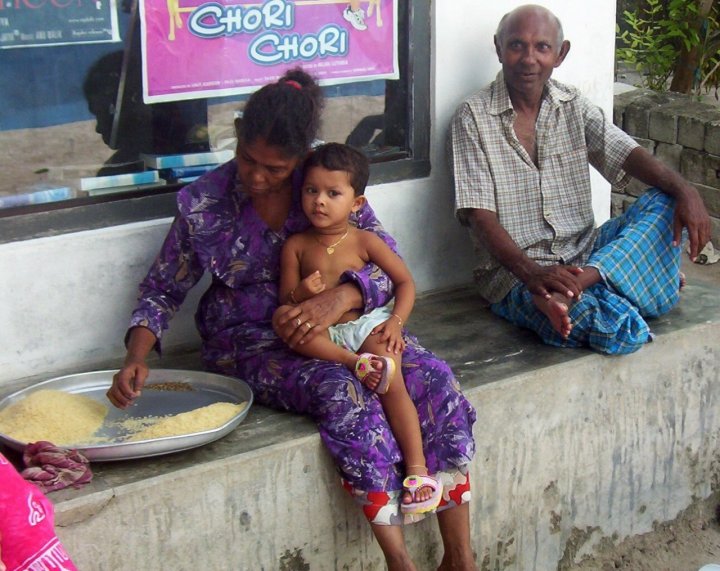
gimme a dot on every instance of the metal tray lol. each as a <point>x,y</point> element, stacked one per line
<point>208,388</point>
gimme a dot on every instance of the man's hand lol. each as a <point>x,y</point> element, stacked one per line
<point>540,280</point>
<point>544,280</point>
<point>690,213</point>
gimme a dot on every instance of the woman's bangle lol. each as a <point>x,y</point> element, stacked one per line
<point>398,318</point>
<point>291,295</point>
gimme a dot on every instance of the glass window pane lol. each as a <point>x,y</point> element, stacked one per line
<point>76,111</point>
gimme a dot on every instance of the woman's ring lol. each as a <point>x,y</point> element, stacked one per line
<point>309,325</point>
<point>297,322</point>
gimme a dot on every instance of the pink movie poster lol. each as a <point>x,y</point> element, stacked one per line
<point>207,48</point>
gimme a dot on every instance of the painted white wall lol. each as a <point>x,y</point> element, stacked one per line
<point>67,299</point>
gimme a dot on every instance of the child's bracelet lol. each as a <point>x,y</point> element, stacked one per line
<point>398,318</point>
<point>291,295</point>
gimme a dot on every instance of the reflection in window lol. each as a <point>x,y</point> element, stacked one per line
<point>76,111</point>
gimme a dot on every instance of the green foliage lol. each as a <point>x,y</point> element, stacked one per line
<point>710,60</point>
<point>656,31</point>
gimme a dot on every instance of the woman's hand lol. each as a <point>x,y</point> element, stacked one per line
<point>128,383</point>
<point>130,379</point>
<point>298,324</point>
<point>391,332</point>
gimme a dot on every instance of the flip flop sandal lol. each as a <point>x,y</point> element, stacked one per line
<point>412,484</point>
<point>364,367</point>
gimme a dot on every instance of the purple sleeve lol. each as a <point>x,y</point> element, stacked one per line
<point>173,273</point>
<point>374,284</point>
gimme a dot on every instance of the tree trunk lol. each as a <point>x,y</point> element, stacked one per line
<point>688,60</point>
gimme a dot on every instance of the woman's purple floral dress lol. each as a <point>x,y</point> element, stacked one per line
<point>217,230</point>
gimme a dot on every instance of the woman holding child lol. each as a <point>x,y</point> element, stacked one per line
<point>233,223</point>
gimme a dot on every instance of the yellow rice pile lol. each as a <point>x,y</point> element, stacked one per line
<point>199,420</point>
<point>56,416</point>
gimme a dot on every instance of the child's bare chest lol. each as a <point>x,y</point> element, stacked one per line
<point>332,262</point>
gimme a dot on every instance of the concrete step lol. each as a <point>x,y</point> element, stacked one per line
<point>572,447</point>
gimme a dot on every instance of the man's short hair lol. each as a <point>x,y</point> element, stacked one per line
<point>500,31</point>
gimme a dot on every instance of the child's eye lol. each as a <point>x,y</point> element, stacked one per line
<point>334,193</point>
<point>310,190</point>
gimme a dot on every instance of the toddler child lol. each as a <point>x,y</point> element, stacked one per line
<point>335,176</point>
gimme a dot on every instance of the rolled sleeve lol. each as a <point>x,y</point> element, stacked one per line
<point>375,286</point>
<point>469,166</point>
<point>608,146</point>
<point>173,273</point>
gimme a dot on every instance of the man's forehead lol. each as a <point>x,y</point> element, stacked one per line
<point>535,22</point>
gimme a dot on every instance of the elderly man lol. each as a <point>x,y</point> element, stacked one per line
<point>520,151</point>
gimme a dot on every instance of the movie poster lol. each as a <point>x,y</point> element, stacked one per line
<point>34,23</point>
<point>206,48</point>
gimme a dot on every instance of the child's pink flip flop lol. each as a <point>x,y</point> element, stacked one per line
<point>364,367</point>
<point>412,484</point>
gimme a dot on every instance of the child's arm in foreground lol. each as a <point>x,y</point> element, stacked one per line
<point>381,255</point>
<point>293,289</point>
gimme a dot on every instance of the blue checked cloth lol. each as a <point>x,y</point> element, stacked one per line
<point>641,271</point>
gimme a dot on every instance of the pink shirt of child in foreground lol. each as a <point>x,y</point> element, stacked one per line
<point>27,526</point>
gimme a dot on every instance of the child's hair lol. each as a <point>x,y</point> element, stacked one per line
<point>339,157</point>
<point>286,114</point>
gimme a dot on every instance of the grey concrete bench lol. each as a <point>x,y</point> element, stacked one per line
<point>571,447</point>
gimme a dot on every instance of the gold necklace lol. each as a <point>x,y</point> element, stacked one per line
<point>331,248</point>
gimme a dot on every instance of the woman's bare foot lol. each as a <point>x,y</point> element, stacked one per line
<point>464,561</point>
<point>556,308</point>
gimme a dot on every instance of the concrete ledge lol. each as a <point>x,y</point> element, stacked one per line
<point>572,447</point>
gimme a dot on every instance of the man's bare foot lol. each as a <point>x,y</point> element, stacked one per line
<point>556,309</point>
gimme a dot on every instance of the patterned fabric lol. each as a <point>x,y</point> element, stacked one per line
<point>51,468</point>
<point>634,254</point>
<point>492,171</point>
<point>641,271</point>
<point>27,526</point>
<point>218,231</point>
<point>383,508</point>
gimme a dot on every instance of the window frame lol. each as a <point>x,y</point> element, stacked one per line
<point>80,214</point>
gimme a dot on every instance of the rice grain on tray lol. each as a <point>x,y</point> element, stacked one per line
<point>56,416</point>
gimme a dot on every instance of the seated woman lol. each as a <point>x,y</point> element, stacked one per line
<point>233,223</point>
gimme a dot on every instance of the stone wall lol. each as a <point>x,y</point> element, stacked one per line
<point>680,131</point>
